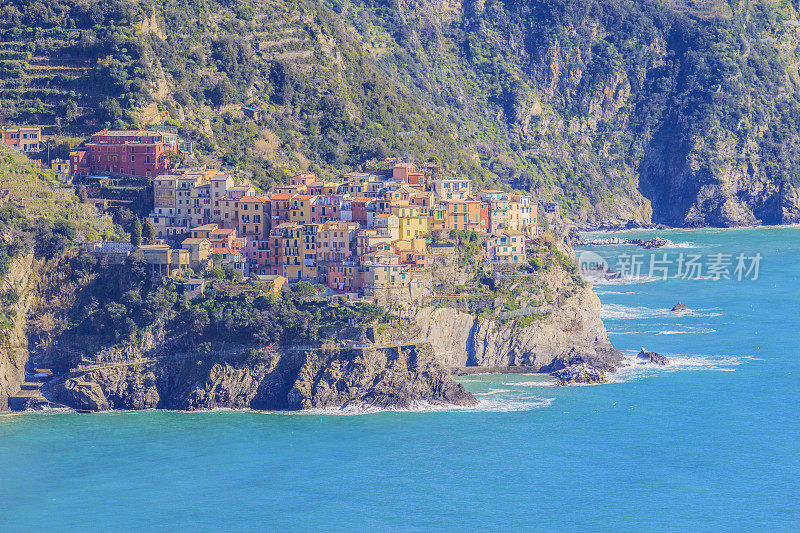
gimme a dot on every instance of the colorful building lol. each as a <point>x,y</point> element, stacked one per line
<point>413,224</point>
<point>447,189</point>
<point>506,247</point>
<point>254,220</point>
<point>22,138</point>
<point>135,153</point>
<point>466,215</point>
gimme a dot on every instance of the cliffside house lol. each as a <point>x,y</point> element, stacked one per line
<point>163,260</point>
<point>132,153</point>
<point>199,251</point>
<point>22,138</point>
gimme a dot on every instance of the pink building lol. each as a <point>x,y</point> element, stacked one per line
<point>137,153</point>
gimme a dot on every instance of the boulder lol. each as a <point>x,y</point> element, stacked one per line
<point>653,357</point>
<point>82,395</point>
<point>580,373</point>
<point>680,306</point>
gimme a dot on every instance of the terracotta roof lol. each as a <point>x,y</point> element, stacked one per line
<point>253,199</point>
<point>284,195</point>
<point>225,251</point>
<point>222,231</point>
<point>382,215</point>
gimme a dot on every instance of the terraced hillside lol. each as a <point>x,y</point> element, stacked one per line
<point>677,111</point>
<point>71,78</point>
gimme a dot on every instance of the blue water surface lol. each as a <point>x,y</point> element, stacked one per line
<point>709,443</point>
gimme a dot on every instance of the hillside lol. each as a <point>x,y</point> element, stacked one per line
<point>39,226</point>
<point>678,112</point>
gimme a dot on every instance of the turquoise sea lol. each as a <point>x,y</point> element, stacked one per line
<point>711,443</point>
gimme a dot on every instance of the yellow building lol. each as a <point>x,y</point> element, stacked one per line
<point>302,209</point>
<point>437,218</point>
<point>521,214</point>
<point>204,231</point>
<point>308,251</point>
<point>291,245</point>
<point>413,224</point>
<point>199,251</point>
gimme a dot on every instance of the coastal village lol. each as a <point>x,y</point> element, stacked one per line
<point>366,235</point>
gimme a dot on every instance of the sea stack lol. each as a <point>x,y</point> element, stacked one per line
<point>653,357</point>
<point>680,306</point>
<point>579,373</point>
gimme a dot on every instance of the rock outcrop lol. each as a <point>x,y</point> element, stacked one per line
<point>680,306</point>
<point>395,378</point>
<point>579,374</point>
<point>653,357</point>
<point>569,334</point>
<point>14,342</point>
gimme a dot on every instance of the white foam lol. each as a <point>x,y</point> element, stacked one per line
<point>684,244</point>
<point>636,369</point>
<point>619,311</point>
<point>626,280</point>
<point>543,383</point>
<point>490,392</point>
<point>493,405</point>
<point>603,293</point>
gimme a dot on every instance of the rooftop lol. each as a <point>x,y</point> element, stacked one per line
<point>206,227</point>
<point>253,199</point>
<point>126,133</point>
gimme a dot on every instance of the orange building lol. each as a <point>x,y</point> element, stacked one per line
<point>466,214</point>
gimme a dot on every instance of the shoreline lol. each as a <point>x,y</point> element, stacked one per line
<point>661,227</point>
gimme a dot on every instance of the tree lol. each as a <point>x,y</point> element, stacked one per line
<point>148,232</point>
<point>136,232</point>
<point>80,191</point>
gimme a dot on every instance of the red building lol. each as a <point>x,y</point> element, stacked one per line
<point>78,166</point>
<point>137,153</point>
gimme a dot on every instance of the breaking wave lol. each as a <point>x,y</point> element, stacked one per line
<point>491,405</point>
<point>543,383</point>
<point>636,369</point>
<point>619,311</point>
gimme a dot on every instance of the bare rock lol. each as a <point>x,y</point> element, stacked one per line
<point>579,373</point>
<point>82,395</point>
<point>395,378</point>
<point>653,357</point>
<point>680,306</point>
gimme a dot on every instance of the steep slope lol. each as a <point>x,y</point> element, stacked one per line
<point>677,111</point>
<point>38,226</point>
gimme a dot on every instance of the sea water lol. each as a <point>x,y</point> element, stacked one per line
<point>711,442</point>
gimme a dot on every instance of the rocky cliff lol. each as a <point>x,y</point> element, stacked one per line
<point>13,338</point>
<point>392,378</point>
<point>570,334</point>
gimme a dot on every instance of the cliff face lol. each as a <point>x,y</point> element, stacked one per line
<point>14,341</point>
<point>572,333</point>
<point>290,381</point>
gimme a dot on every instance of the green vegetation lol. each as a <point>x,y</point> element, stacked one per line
<point>584,101</point>
<point>93,306</point>
<point>36,216</point>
